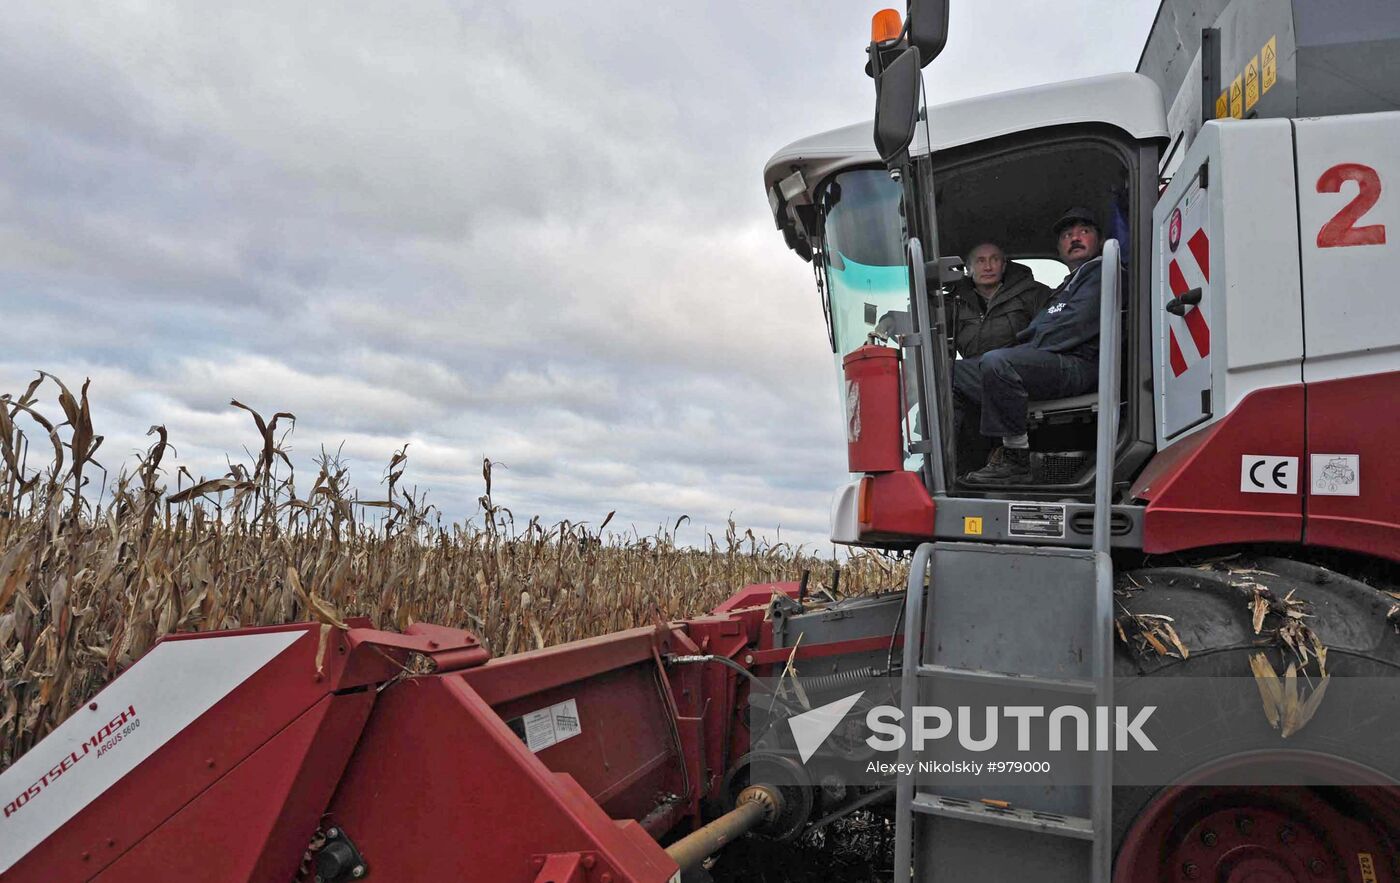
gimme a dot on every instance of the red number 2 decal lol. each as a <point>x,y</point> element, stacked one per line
<point>1342,230</point>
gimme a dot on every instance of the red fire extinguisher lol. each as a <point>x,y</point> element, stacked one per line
<point>874,409</point>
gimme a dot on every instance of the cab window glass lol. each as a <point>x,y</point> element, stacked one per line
<point>864,253</point>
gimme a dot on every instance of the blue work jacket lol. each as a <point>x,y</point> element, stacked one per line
<point>1069,323</point>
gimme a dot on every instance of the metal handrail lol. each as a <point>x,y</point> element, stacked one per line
<point>1110,327</point>
<point>928,359</point>
<point>908,691</point>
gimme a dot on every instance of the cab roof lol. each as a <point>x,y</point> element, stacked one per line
<point>1126,101</point>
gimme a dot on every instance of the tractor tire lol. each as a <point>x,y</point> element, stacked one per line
<point>1196,830</point>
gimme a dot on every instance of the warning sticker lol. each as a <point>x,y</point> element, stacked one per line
<point>972,525</point>
<point>1251,83</point>
<point>1270,55</point>
<point>1222,105</point>
<point>1336,475</point>
<point>548,726</point>
<point>1237,98</point>
<point>1035,520</point>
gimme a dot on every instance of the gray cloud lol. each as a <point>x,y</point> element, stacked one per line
<point>531,232</point>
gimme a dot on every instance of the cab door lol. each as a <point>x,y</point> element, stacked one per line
<point>1182,294</point>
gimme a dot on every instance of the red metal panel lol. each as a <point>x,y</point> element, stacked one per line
<point>714,692</point>
<point>1193,487</point>
<point>820,651</point>
<point>511,677</point>
<point>623,774</point>
<point>450,649</point>
<point>185,766</point>
<point>215,742</point>
<point>900,508</point>
<point>757,595</point>
<point>566,868</point>
<point>439,788</point>
<point>255,823</point>
<point>1356,416</point>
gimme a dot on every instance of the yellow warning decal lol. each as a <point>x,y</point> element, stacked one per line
<point>1368,867</point>
<point>1237,98</point>
<point>1222,106</point>
<point>972,526</point>
<point>1251,83</point>
<point>1270,55</point>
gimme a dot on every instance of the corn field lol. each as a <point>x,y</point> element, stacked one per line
<point>97,564</point>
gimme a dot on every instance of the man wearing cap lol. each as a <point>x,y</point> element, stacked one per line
<point>1057,355</point>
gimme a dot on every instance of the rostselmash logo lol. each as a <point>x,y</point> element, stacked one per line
<point>1066,727</point>
<point>105,739</point>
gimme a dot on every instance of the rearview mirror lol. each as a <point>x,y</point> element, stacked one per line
<point>897,107</point>
<point>928,27</point>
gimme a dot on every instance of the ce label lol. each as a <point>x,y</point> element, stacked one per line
<point>1263,474</point>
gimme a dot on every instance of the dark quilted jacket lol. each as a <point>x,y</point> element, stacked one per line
<point>981,326</point>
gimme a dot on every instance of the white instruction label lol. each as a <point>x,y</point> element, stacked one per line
<point>1265,474</point>
<point>1035,520</point>
<point>1336,475</point>
<point>550,725</point>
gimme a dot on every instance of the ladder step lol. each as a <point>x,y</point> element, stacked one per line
<point>1061,685</point>
<point>1008,817</point>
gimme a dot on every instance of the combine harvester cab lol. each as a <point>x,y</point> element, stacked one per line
<point>1215,472</point>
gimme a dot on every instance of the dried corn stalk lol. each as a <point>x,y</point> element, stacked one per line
<point>1284,704</point>
<point>1288,705</point>
<point>1291,630</point>
<point>1141,631</point>
<point>89,582</point>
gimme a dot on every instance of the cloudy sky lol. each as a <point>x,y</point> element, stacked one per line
<point>530,231</point>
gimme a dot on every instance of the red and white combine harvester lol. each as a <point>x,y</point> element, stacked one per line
<point>1235,473</point>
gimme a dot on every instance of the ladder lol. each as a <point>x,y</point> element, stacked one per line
<point>1033,622</point>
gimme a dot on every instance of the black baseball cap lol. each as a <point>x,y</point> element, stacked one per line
<point>1078,213</point>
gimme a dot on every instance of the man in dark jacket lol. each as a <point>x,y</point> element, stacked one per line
<point>986,311</point>
<point>1057,355</point>
<point>994,303</point>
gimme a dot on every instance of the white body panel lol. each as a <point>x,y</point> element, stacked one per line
<point>1351,262</point>
<point>845,514</point>
<point>1130,102</point>
<point>1254,307</point>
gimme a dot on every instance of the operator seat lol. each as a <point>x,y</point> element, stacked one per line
<point>1059,410</point>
